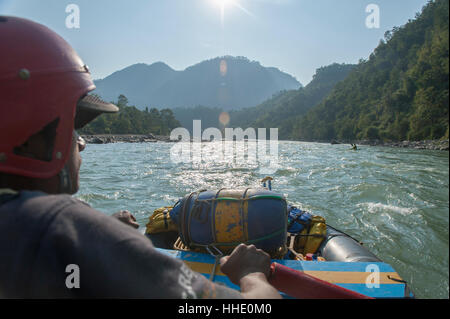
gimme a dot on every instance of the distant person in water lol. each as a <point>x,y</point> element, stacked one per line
<point>354,147</point>
<point>46,237</point>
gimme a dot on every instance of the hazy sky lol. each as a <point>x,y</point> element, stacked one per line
<point>296,36</point>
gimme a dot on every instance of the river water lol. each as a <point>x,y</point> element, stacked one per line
<point>396,201</point>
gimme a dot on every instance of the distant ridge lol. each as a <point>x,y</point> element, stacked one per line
<point>137,82</point>
<point>282,110</point>
<point>227,82</point>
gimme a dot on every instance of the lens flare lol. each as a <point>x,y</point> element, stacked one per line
<point>224,118</point>
<point>223,68</point>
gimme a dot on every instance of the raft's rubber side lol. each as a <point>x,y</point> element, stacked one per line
<point>342,248</point>
<point>350,275</point>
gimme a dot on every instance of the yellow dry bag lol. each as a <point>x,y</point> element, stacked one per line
<point>310,239</point>
<point>160,221</point>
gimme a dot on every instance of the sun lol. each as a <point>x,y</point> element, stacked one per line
<point>223,3</point>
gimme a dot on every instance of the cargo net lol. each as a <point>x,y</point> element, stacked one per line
<point>223,210</point>
<point>301,240</point>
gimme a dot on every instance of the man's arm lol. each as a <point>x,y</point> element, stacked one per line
<point>118,262</point>
<point>114,261</point>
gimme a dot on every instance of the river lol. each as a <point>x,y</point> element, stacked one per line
<point>396,201</point>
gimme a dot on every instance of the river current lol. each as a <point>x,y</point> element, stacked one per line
<point>396,201</point>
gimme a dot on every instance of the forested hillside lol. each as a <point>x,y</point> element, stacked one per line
<point>400,93</point>
<point>280,111</point>
<point>284,110</point>
<point>130,120</point>
<point>208,115</point>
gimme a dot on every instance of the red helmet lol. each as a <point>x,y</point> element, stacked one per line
<point>42,79</point>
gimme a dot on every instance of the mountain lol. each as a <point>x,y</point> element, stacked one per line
<point>208,115</point>
<point>224,82</point>
<point>137,82</point>
<point>280,111</point>
<point>400,93</point>
<point>283,110</point>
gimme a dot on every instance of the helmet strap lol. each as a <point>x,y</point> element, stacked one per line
<point>65,182</point>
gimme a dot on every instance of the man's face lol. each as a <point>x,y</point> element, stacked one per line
<point>74,162</point>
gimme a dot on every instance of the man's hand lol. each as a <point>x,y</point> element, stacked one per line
<point>127,218</point>
<point>245,260</point>
<point>249,268</point>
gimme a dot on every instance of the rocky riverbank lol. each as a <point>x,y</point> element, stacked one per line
<point>439,145</point>
<point>436,145</point>
<point>125,138</point>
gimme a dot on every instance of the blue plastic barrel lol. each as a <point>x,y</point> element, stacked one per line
<point>228,217</point>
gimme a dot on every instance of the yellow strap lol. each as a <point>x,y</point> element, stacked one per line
<point>267,178</point>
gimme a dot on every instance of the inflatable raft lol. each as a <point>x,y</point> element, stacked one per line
<point>310,258</point>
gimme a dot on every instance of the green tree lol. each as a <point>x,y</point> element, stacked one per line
<point>401,92</point>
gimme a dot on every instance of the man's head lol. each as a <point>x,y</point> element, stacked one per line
<point>43,99</point>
